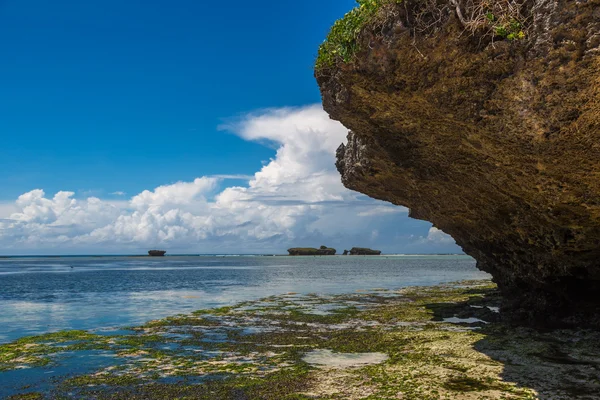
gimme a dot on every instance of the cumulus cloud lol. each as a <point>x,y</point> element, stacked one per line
<point>240,177</point>
<point>439,237</point>
<point>295,199</point>
<point>6,209</point>
<point>53,220</point>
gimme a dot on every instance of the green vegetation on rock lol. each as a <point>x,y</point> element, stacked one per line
<point>485,19</point>
<point>341,42</point>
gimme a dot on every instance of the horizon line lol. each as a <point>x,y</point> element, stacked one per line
<point>204,254</point>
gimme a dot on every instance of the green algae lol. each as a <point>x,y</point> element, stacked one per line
<point>27,396</point>
<point>256,349</point>
<point>102,380</point>
<point>35,351</point>
<point>279,385</point>
<point>181,320</point>
<point>217,311</point>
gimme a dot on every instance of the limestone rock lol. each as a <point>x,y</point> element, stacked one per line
<point>495,141</point>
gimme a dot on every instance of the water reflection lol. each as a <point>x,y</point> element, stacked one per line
<point>41,295</point>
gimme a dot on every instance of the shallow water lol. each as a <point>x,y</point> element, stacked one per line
<point>39,295</point>
<point>43,378</point>
<point>329,359</point>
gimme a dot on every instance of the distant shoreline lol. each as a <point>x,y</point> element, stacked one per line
<point>213,255</point>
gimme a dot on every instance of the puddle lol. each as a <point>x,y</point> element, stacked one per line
<point>254,330</point>
<point>44,378</point>
<point>456,320</point>
<point>492,309</point>
<point>328,358</point>
<point>177,336</point>
<point>324,309</point>
<point>112,331</point>
<point>215,337</point>
<point>189,380</point>
<point>169,346</point>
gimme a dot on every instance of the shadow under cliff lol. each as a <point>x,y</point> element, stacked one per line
<point>557,364</point>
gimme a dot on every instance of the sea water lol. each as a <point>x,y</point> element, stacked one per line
<point>107,294</point>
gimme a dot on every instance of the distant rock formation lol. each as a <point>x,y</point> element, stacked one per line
<point>156,253</point>
<point>363,251</point>
<point>346,252</point>
<point>310,251</point>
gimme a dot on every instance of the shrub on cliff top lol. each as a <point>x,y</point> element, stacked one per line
<point>341,41</point>
<point>502,19</point>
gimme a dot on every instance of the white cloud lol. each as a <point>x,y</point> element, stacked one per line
<point>381,210</point>
<point>177,195</point>
<point>6,209</point>
<point>233,177</point>
<point>118,193</point>
<point>57,220</point>
<point>439,237</point>
<point>296,198</point>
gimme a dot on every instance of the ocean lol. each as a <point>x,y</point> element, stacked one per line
<point>48,294</point>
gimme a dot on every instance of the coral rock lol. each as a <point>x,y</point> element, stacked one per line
<point>496,142</point>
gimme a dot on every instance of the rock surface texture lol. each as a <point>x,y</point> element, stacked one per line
<point>495,141</point>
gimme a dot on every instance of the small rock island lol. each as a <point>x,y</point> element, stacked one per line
<point>310,251</point>
<point>362,251</point>
<point>156,253</point>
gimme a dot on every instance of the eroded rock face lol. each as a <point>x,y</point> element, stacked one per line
<point>496,143</point>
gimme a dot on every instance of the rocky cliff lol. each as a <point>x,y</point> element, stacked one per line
<point>483,118</point>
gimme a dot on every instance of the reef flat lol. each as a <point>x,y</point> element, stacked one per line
<point>440,342</point>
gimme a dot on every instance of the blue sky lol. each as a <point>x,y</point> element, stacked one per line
<point>108,99</point>
<point>110,95</point>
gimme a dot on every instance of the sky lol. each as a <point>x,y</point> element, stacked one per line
<point>190,126</point>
